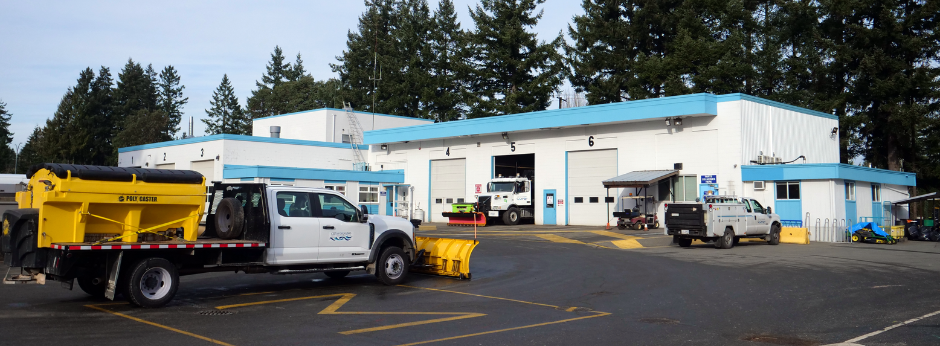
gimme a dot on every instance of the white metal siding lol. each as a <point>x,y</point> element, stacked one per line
<point>787,134</point>
<point>448,180</point>
<point>586,171</point>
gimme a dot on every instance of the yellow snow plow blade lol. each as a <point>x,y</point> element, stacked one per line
<point>444,256</point>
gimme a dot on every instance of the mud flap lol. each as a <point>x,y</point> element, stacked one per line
<point>444,256</point>
<point>114,264</point>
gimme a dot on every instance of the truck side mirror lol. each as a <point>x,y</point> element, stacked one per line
<point>769,211</point>
<point>364,211</point>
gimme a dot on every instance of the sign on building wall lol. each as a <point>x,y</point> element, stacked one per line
<point>479,188</point>
<point>709,179</point>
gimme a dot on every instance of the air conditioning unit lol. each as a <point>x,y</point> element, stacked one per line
<point>758,185</point>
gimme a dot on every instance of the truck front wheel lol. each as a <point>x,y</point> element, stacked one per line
<point>392,267</point>
<point>774,237</point>
<point>684,242</point>
<point>152,283</point>
<point>511,216</point>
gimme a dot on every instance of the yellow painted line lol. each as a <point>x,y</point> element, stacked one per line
<point>197,336</point>
<point>627,244</point>
<point>598,314</point>
<point>616,235</point>
<point>427,228</point>
<point>558,239</point>
<point>346,297</point>
<point>480,295</point>
<point>571,309</point>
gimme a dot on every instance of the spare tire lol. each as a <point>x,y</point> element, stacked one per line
<point>229,218</point>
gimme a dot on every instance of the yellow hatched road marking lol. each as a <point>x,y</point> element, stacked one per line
<point>346,297</point>
<point>558,239</point>
<point>598,314</point>
<point>197,336</point>
<point>615,235</point>
<point>627,244</point>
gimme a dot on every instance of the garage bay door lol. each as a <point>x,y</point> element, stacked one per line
<point>207,168</point>
<point>448,186</point>
<point>586,170</point>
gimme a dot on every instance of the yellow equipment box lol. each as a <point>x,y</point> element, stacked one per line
<point>79,203</point>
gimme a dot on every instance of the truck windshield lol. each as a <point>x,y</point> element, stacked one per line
<point>500,187</point>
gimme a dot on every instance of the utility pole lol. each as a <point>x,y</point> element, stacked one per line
<point>16,161</point>
<point>375,63</point>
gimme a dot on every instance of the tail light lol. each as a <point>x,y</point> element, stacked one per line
<point>709,206</point>
<point>666,205</point>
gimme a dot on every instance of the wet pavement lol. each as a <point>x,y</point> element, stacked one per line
<point>539,285</point>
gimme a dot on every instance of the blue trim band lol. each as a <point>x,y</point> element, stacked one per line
<point>280,179</point>
<point>746,97</point>
<point>694,104</point>
<point>812,171</point>
<point>239,171</point>
<point>341,110</point>
<point>334,181</point>
<point>242,138</point>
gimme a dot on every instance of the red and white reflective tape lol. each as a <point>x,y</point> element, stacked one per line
<point>155,246</point>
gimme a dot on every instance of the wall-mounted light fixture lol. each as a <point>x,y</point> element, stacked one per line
<point>678,121</point>
<point>835,131</point>
<point>384,147</point>
<point>506,136</point>
<point>668,122</point>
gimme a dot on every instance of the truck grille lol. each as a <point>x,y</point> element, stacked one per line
<point>483,204</point>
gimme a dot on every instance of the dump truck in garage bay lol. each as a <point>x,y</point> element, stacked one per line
<point>132,232</point>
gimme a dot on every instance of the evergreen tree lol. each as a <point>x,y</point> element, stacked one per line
<point>277,70</point>
<point>7,155</point>
<point>135,91</point>
<point>170,99</point>
<point>600,58</point>
<point>226,116</point>
<point>445,94</point>
<point>295,72</point>
<point>93,121</point>
<point>59,132</point>
<point>512,71</point>
<point>144,127</point>
<point>31,152</point>
<point>370,51</point>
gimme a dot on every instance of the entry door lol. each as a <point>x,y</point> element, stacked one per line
<point>295,235</point>
<point>390,200</point>
<point>343,237</point>
<point>448,183</point>
<point>548,211</point>
<point>586,192</point>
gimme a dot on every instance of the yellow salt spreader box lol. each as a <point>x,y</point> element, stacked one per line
<point>101,204</point>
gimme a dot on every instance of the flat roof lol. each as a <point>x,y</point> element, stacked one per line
<point>702,104</point>
<point>343,110</point>
<point>810,171</point>
<point>639,178</point>
<point>923,197</point>
<point>239,138</point>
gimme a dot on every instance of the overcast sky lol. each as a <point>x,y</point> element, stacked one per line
<point>45,44</point>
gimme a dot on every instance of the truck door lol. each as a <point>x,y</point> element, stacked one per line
<point>758,221</point>
<point>294,235</point>
<point>343,237</point>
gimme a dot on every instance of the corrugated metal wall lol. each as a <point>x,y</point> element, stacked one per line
<point>786,134</point>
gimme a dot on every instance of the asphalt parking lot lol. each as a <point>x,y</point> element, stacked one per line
<point>537,285</point>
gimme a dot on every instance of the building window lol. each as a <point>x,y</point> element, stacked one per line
<point>594,199</point>
<point>439,201</point>
<point>368,194</point>
<point>460,200</point>
<point>346,138</point>
<point>579,199</point>
<point>788,190</point>
<point>849,191</point>
<point>338,188</point>
<point>684,189</point>
<point>450,201</point>
<point>875,193</point>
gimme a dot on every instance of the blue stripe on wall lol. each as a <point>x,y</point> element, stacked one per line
<point>810,171</point>
<point>238,171</point>
<point>240,138</point>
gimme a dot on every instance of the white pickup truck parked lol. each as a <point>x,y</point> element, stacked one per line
<point>723,220</point>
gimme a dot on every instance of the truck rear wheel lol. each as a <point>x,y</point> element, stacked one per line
<point>152,283</point>
<point>392,267</point>
<point>94,286</point>
<point>229,218</point>
<point>511,216</point>
<point>684,242</point>
<point>726,241</point>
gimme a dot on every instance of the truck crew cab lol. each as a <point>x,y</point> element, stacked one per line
<point>133,232</point>
<point>723,220</point>
<point>510,199</point>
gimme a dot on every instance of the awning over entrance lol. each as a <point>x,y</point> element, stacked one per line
<point>637,179</point>
<point>932,195</point>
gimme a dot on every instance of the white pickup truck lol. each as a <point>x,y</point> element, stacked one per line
<point>723,220</point>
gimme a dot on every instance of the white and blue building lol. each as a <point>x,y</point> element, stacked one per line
<point>786,157</point>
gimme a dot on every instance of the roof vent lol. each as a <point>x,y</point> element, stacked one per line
<point>275,132</point>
